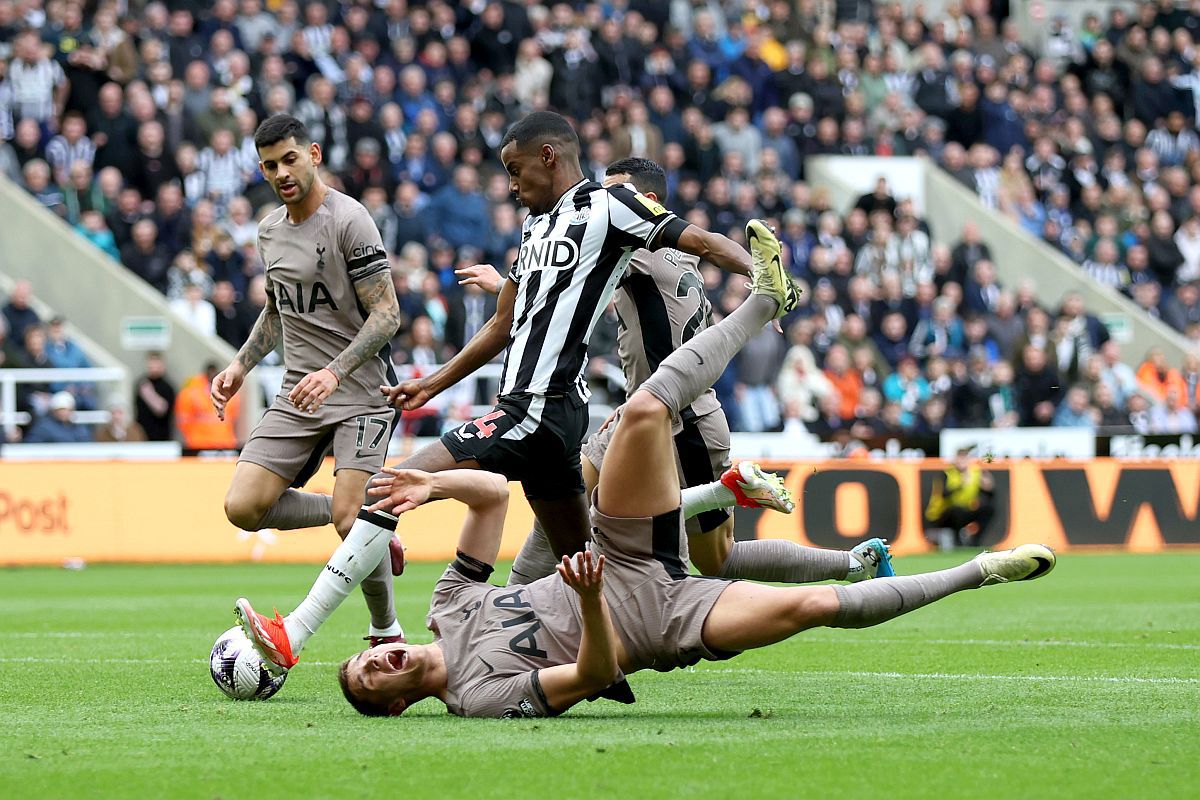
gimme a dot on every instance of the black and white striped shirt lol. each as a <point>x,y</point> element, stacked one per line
<point>62,154</point>
<point>570,262</point>
<point>33,87</point>
<point>223,175</point>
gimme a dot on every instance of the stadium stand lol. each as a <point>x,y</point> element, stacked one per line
<point>133,124</point>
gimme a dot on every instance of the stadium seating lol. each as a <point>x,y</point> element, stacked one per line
<point>143,144</point>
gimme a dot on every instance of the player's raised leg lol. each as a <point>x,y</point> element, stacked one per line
<point>536,558</point>
<point>633,482</point>
<point>750,615</point>
<point>259,498</point>
<point>714,552</point>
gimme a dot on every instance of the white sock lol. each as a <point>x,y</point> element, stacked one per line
<point>709,497</point>
<point>356,558</point>
<point>392,630</point>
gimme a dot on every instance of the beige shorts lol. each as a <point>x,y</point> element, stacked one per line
<point>701,455</point>
<point>292,444</point>
<point>659,608</point>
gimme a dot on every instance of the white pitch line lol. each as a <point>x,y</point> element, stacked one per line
<point>1006,643</point>
<point>943,676</point>
<point>951,676</point>
<point>815,639</point>
<point>86,635</point>
<point>1034,678</point>
<point>69,660</point>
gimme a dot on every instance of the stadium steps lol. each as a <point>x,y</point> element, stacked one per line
<point>97,294</point>
<point>99,356</point>
<point>947,205</point>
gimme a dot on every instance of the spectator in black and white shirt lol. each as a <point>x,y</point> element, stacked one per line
<point>1172,140</point>
<point>326,121</point>
<point>39,85</point>
<point>70,146</point>
<point>222,166</point>
<point>987,176</point>
<point>1104,268</point>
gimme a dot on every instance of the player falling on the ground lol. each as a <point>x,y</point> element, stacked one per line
<point>538,649</point>
<point>660,306</point>
<point>575,245</point>
<point>331,302</point>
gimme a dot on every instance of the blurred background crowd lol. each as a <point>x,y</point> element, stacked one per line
<point>133,122</point>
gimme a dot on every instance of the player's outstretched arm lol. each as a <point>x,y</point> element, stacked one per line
<point>485,494</point>
<point>485,345</point>
<point>721,251</point>
<point>596,667</point>
<point>377,294</point>
<point>264,337</point>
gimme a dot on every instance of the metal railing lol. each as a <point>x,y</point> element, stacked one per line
<point>11,418</point>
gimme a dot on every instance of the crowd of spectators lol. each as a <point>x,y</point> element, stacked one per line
<point>134,121</point>
<point>159,413</point>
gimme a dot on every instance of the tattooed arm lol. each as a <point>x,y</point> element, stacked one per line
<point>377,295</point>
<point>264,338</point>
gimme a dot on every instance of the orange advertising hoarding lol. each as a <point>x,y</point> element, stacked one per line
<point>1142,506</point>
<point>172,512</point>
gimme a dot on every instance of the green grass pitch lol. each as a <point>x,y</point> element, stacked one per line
<point>1084,684</point>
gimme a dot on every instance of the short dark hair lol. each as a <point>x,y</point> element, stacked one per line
<point>279,127</point>
<point>541,126</point>
<point>364,707</point>
<point>645,175</point>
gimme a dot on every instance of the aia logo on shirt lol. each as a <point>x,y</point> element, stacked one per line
<point>301,301</point>
<point>545,254</point>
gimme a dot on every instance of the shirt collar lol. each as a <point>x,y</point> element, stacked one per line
<point>568,193</point>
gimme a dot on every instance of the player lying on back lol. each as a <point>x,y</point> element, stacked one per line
<point>660,306</point>
<point>624,606</point>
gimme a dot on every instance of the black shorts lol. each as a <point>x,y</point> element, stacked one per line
<point>534,439</point>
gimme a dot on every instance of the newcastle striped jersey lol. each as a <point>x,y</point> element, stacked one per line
<point>570,262</point>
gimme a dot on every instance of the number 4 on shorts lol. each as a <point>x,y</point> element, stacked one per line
<point>483,426</point>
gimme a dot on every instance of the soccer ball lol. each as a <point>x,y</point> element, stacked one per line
<point>239,671</point>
